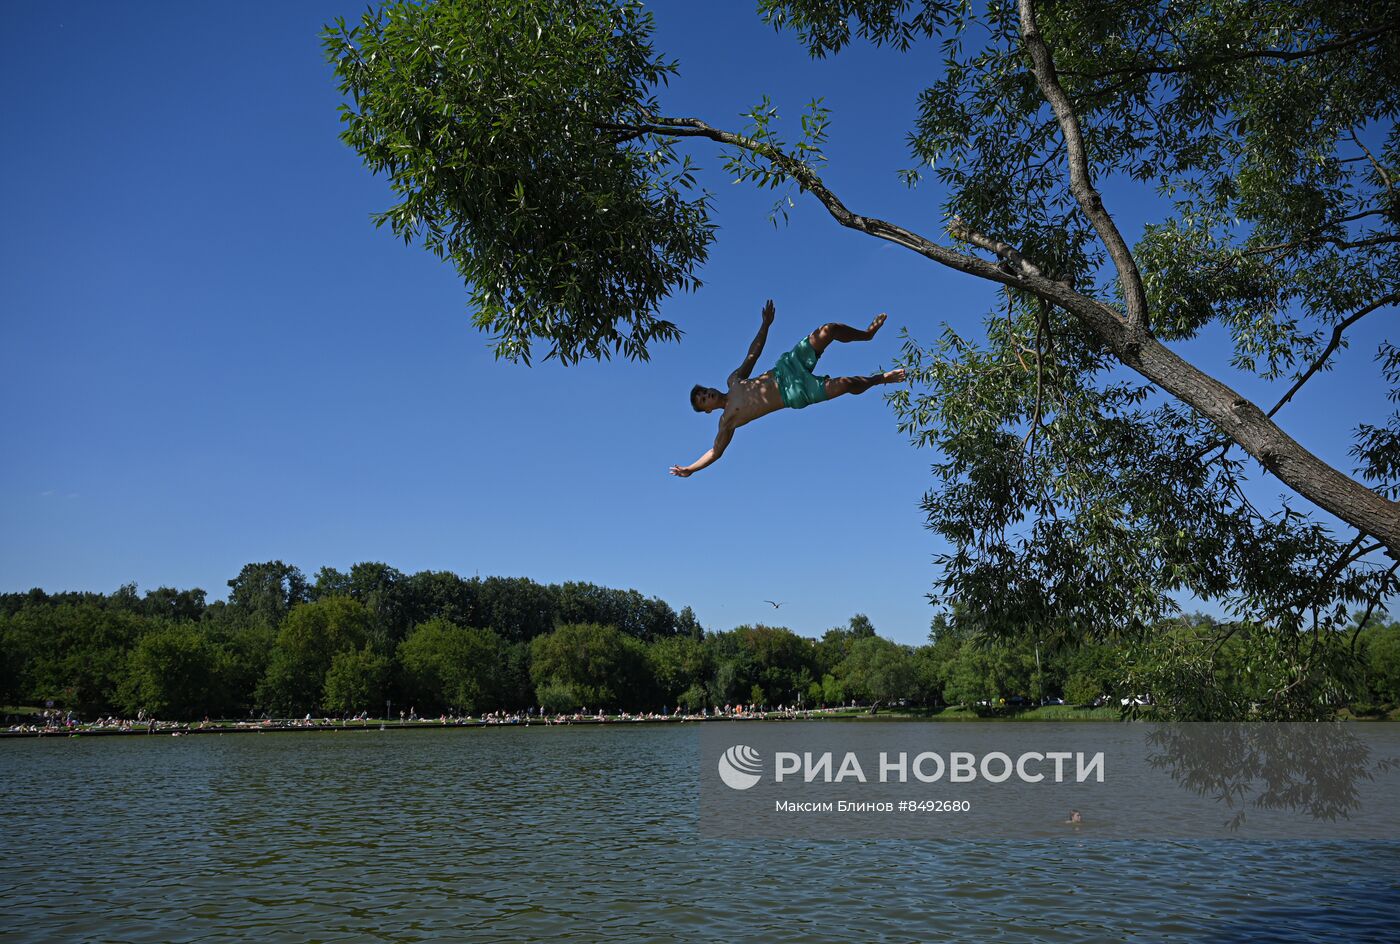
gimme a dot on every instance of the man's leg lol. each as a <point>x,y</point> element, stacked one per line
<point>844,333</point>
<point>835,386</point>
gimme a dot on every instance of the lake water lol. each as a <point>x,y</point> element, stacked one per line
<point>586,834</point>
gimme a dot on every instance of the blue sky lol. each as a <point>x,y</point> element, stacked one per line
<point>211,357</point>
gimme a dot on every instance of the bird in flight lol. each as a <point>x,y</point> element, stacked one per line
<point>774,605</point>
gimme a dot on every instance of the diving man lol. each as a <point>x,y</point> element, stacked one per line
<point>790,383</point>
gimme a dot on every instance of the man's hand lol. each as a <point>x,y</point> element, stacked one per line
<point>680,470</point>
<point>768,312</point>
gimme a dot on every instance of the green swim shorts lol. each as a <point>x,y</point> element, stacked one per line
<point>793,373</point>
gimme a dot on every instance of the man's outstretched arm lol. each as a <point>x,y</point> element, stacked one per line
<point>717,450</point>
<point>756,348</point>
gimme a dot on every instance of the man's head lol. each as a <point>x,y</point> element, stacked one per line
<point>705,399</point>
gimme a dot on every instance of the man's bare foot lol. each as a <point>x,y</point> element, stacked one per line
<point>893,376</point>
<point>875,326</point>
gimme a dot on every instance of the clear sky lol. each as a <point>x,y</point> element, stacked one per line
<point>210,356</point>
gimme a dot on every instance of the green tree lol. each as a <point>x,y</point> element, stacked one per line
<point>680,665</point>
<point>836,643</point>
<point>695,698</point>
<point>379,588</point>
<point>1219,672</point>
<point>599,666</point>
<point>309,639</point>
<point>773,658</point>
<point>1089,471</point>
<point>926,684</point>
<point>688,625</point>
<point>14,662</point>
<point>1090,671</point>
<point>172,673</point>
<point>878,671</point>
<point>831,691</point>
<point>447,666</point>
<point>626,610</point>
<point>268,591</point>
<point>356,680</point>
<point>1381,645</point>
<point>516,608</point>
<point>985,675</point>
<point>439,594</point>
<point>74,653</point>
<point>558,698</point>
<point>245,644</point>
<point>172,604</point>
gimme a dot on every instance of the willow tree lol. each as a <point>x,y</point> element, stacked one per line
<point>1087,470</point>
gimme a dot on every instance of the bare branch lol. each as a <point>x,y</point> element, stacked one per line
<point>1332,346</point>
<point>1371,604</point>
<point>1380,171</point>
<point>1129,279</point>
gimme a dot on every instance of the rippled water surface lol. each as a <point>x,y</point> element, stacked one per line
<point>589,834</point>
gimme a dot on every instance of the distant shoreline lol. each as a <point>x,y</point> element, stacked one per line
<point>287,726</point>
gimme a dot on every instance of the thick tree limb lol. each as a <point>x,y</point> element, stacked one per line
<point>1007,253</point>
<point>1080,183</point>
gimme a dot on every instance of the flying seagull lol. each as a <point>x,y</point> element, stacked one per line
<point>774,605</point>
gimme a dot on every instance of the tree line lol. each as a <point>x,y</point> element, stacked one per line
<point>343,643</point>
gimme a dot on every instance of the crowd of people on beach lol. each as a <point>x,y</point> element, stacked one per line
<point>56,722</point>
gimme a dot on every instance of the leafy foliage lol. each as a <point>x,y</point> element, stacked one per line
<point>170,673</point>
<point>356,680</point>
<point>450,667</point>
<point>497,124</point>
<point>599,666</point>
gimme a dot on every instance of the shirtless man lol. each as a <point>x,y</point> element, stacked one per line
<point>789,384</point>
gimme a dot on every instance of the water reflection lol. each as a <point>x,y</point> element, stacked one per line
<point>1314,769</point>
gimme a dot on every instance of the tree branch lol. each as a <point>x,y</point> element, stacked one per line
<point>1380,171</point>
<point>808,180</point>
<point>1317,364</point>
<point>1332,346</point>
<point>1371,604</point>
<point>1283,55</point>
<point>1373,240</point>
<point>1008,254</point>
<point>1129,279</point>
<point>1040,327</point>
<point>1321,227</point>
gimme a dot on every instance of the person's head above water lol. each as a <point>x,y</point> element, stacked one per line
<point>706,399</point>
